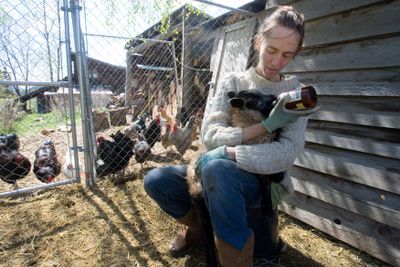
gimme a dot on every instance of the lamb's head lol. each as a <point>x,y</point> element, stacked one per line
<point>253,101</point>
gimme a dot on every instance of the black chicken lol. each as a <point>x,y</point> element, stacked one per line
<point>10,141</point>
<point>46,165</point>
<point>139,124</point>
<point>13,165</point>
<point>182,116</point>
<point>113,156</point>
<point>153,133</point>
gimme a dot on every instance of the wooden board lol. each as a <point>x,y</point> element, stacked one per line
<point>374,171</point>
<point>313,9</point>
<point>235,49</point>
<point>355,143</point>
<point>376,133</point>
<point>350,56</point>
<point>375,88</point>
<point>230,53</point>
<point>377,112</point>
<point>389,119</point>
<point>363,23</point>
<point>369,202</point>
<point>378,240</point>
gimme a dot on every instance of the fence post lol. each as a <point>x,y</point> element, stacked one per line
<point>70,89</point>
<point>85,97</point>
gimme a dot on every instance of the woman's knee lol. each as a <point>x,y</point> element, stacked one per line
<point>217,165</point>
<point>157,180</point>
<point>214,171</point>
<point>152,181</point>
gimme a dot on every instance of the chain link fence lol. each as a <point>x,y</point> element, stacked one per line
<point>147,68</point>
<point>40,126</point>
<point>159,99</point>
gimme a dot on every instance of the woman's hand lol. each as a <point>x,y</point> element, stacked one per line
<point>218,153</point>
<point>281,116</point>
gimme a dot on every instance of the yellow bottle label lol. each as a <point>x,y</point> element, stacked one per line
<point>300,106</point>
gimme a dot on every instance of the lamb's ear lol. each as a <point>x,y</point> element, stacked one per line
<point>236,102</point>
<point>231,94</point>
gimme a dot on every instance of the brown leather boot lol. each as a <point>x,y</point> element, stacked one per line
<point>230,256</point>
<point>186,239</point>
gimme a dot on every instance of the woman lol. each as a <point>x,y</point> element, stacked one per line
<point>229,170</point>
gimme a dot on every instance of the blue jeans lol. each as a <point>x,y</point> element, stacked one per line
<point>227,192</point>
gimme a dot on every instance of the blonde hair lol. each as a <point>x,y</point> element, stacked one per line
<point>285,16</point>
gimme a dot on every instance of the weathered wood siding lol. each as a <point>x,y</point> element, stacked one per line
<point>347,181</point>
<point>231,52</point>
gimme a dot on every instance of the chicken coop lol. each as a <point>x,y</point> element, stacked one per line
<point>154,74</point>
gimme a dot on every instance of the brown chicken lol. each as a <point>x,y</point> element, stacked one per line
<point>13,166</point>
<point>182,138</point>
<point>46,165</point>
<point>165,116</point>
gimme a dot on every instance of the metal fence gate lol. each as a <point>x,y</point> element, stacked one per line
<point>46,135</point>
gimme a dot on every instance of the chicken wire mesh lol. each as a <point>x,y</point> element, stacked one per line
<point>35,105</point>
<point>158,85</point>
<point>147,66</point>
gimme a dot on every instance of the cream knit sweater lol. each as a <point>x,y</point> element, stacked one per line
<point>266,158</point>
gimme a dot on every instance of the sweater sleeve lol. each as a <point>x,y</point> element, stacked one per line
<point>273,157</point>
<point>216,130</point>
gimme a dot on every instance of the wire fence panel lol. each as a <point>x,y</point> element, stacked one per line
<point>148,65</point>
<point>150,71</point>
<point>147,75</point>
<point>35,127</point>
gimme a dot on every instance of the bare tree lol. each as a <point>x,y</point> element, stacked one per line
<point>48,28</point>
<point>47,19</point>
<point>29,39</point>
<point>15,52</point>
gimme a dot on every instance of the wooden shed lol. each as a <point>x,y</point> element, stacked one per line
<point>43,101</point>
<point>102,75</point>
<point>347,181</point>
<point>154,63</point>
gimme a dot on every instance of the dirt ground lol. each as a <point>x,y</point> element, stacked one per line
<point>115,223</point>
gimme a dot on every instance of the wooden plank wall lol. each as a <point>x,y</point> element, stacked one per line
<point>347,181</point>
<point>231,52</point>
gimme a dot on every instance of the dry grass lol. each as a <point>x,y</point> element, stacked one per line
<point>117,224</point>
